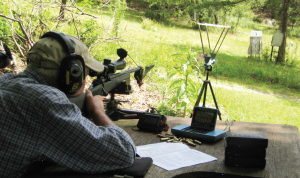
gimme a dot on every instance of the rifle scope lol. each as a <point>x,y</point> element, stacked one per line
<point>111,68</point>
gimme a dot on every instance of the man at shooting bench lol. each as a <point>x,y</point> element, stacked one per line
<point>38,122</point>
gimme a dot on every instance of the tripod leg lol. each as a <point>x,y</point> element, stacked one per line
<point>212,92</point>
<point>200,94</point>
<point>205,90</point>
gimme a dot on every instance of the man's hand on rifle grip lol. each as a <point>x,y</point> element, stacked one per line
<point>95,108</point>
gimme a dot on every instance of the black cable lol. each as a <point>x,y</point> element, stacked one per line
<point>229,124</point>
<point>129,55</point>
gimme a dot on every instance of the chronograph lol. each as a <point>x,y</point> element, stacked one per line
<point>202,126</point>
<point>204,117</point>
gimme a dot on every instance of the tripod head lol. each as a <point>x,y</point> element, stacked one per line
<point>209,61</point>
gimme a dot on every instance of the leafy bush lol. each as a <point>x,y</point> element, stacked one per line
<point>183,88</point>
<point>4,31</point>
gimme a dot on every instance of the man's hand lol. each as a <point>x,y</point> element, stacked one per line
<point>93,102</point>
<point>95,108</point>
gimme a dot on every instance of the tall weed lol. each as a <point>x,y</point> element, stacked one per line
<point>183,88</point>
<point>118,7</point>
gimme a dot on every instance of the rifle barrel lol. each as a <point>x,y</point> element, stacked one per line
<point>125,72</point>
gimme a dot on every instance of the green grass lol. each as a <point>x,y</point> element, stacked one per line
<point>247,105</point>
<point>233,67</point>
<point>155,43</point>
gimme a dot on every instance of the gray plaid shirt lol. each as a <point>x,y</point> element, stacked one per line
<point>39,123</point>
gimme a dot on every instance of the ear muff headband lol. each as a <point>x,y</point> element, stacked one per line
<point>63,40</point>
<point>71,74</point>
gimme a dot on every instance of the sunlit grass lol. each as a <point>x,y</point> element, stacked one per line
<point>252,106</point>
<point>155,46</point>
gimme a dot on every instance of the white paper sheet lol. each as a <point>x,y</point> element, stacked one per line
<point>171,156</point>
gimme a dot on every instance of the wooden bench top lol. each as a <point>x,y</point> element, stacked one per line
<point>283,156</point>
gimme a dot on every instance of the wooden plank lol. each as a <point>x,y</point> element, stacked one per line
<point>282,152</point>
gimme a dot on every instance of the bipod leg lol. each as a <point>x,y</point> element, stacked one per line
<point>212,92</point>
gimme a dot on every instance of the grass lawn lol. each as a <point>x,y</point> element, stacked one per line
<point>254,97</point>
<point>248,88</point>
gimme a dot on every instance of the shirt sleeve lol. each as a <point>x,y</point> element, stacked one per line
<point>73,141</point>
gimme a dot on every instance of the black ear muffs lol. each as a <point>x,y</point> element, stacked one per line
<point>71,72</point>
<point>71,75</point>
<point>5,57</point>
<point>4,61</point>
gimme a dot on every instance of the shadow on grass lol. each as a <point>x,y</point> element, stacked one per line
<point>135,15</point>
<point>252,73</point>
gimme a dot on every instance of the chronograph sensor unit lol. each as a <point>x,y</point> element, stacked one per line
<point>204,118</point>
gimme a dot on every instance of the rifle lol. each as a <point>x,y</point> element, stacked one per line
<point>111,82</point>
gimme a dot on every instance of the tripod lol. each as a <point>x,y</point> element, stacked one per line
<point>208,64</point>
<point>204,91</point>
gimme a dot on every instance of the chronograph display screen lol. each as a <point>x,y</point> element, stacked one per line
<point>204,118</point>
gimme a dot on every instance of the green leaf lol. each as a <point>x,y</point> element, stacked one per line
<point>174,83</point>
<point>186,99</point>
<point>178,55</point>
<point>182,90</point>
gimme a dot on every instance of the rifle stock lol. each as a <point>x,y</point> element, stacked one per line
<point>114,83</point>
<point>118,83</point>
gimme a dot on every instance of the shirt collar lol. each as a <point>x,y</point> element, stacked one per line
<point>35,75</point>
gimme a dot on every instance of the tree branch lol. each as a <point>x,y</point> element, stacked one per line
<point>9,18</point>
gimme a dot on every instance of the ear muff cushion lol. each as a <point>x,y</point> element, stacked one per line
<point>4,61</point>
<point>71,75</point>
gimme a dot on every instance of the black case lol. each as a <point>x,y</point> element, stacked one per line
<point>245,162</point>
<point>139,168</point>
<point>246,139</point>
<point>250,152</point>
<point>152,122</point>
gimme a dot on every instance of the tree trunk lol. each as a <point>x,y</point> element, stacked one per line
<point>200,19</point>
<point>195,16</point>
<point>283,26</point>
<point>62,9</point>
<point>216,19</point>
<point>225,15</point>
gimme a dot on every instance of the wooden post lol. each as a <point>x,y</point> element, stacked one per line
<point>271,54</point>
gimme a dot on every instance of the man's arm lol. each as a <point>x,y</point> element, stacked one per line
<point>73,141</point>
<point>96,110</point>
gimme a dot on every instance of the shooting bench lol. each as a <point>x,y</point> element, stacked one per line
<point>283,152</point>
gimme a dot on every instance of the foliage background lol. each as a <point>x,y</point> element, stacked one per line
<point>248,88</point>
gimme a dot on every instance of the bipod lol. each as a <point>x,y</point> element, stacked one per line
<point>115,113</point>
<point>204,91</point>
